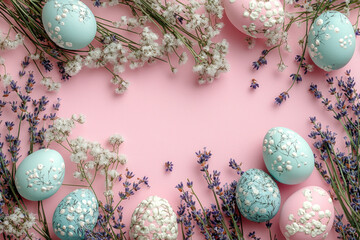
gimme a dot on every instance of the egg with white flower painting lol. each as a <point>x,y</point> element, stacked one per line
<point>75,214</point>
<point>287,156</point>
<point>40,175</point>
<point>331,41</point>
<point>257,196</point>
<point>307,214</point>
<point>255,18</point>
<point>154,218</point>
<point>70,24</point>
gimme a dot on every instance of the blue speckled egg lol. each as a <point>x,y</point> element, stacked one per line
<point>77,212</point>
<point>257,196</point>
<point>69,23</point>
<point>40,175</point>
<point>287,156</point>
<point>331,41</point>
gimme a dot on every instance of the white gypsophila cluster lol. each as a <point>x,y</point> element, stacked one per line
<point>171,9</point>
<point>170,43</point>
<point>91,155</point>
<point>62,128</point>
<point>149,49</point>
<point>8,44</point>
<point>208,71</point>
<point>17,223</point>
<point>6,79</point>
<point>281,67</point>
<point>50,84</point>
<point>74,66</point>
<point>116,139</point>
<point>273,36</point>
<point>210,60</point>
<point>153,218</point>
<point>214,7</point>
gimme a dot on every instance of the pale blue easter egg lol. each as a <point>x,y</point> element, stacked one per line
<point>69,23</point>
<point>75,214</point>
<point>331,41</point>
<point>40,175</point>
<point>257,196</point>
<point>288,157</point>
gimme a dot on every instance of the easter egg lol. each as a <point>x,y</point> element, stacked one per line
<point>255,18</point>
<point>257,196</point>
<point>75,214</point>
<point>331,41</point>
<point>70,24</point>
<point>153,218</point>
<point>40,175</point>
<point>307,214</point>
<point>287,156</point>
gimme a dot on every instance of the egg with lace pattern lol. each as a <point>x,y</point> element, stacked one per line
<point>40,175</point>
<point>154,218</point>
<point>70,24</point>
<point>255,18</point>
<point>75,214</point>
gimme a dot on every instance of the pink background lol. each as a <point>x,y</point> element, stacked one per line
<point>167,117</point>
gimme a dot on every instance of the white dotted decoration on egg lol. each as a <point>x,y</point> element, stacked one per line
<point>143,224</point>
<point>258,18</point>
<point>69,219</point>
<point>288,147</point>
<point>310,219</point>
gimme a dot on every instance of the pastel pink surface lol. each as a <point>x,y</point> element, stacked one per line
<point>296,214</point>
<point>166,117</point>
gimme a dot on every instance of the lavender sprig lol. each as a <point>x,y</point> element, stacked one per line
<point>24,113</point>
<point>341,169</point>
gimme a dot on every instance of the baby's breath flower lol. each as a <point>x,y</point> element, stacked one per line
<point>50,84</point>
<point>17,223</point>
<point>281,67</point>
<point>122,159</point>
<point>80,118</point>
<point>6,79</point>
<point>116,139</point>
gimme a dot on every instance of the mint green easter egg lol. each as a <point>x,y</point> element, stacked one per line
<point>40,175</point>
<point>257,196</point>
<point>331,41</point>
<point>69,23</point>
<point>75,214</point>
<point>287,156</point>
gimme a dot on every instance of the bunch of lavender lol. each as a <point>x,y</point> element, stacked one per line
<point>24,120</point>
<point>93,160</point>
<point>129,41</point>
<point>222,220</point>
<point>300,12</point>
<point>341,169</point>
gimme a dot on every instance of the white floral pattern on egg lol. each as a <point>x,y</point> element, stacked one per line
<point>40,175</point>
<point>255,18</point>
<point>75,214</point>
<point>154,218</point>
<point>331,41</point>
<point>70,24</point>
<point>307,214</point>
<point>287,156</point>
